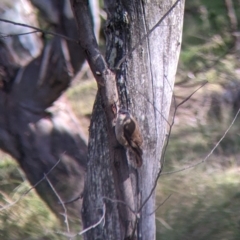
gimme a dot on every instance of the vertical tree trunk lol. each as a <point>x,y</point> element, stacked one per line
<point>150,75</point>
<point>145,80</point>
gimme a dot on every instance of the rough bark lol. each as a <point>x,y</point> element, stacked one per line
<point>144,83</point>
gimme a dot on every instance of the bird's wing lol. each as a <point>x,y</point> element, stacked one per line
<point>129,128</point>
<point>129,136</point>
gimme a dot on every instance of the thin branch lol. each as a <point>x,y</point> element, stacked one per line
<point>80,196</point>
<point>40,30</point>
<point>19,34</point>
<point>147,34</point>
<point>34,186</point>
<point>87,229</point>
<point>187,98</point>
<point>96,224</point>
<point>210,153</point>
<point>189,85</point>
<point>62,203</point>
<point>160,205</point>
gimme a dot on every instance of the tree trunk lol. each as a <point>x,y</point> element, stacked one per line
<point>144,74</point>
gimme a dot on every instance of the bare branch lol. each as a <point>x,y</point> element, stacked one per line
<point>62,203</point>
<point>160,205</point>
<point>80,196</point>
<point>40,30</point>
<point>19,34</point>
<point>96,224</point>
<point>187,98</point>
<point>89,228</point>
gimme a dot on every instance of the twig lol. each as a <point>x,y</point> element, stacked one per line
<point>80,196</point>
<point>19,34</point>
<point>147,34</point>
<point>87,229</point>
<point>210,153</point>
<point>34,186</point>
<point>160,205</point>
<point>187,98</point>
<point>62,203</point>
<point>96,224</point>
<point>40,30</point>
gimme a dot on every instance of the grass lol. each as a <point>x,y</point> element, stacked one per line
<point>28,218</point>
<point>204,200</point>
<point>203,205</point>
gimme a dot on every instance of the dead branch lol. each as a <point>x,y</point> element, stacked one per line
<point>62,203</point>
<point>40,30</point>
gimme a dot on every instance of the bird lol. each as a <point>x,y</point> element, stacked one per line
<point>128,134</point>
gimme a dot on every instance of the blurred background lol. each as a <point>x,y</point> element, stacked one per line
<point>202,202</point>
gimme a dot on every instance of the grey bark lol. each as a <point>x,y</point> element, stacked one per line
<point>144,83</point>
